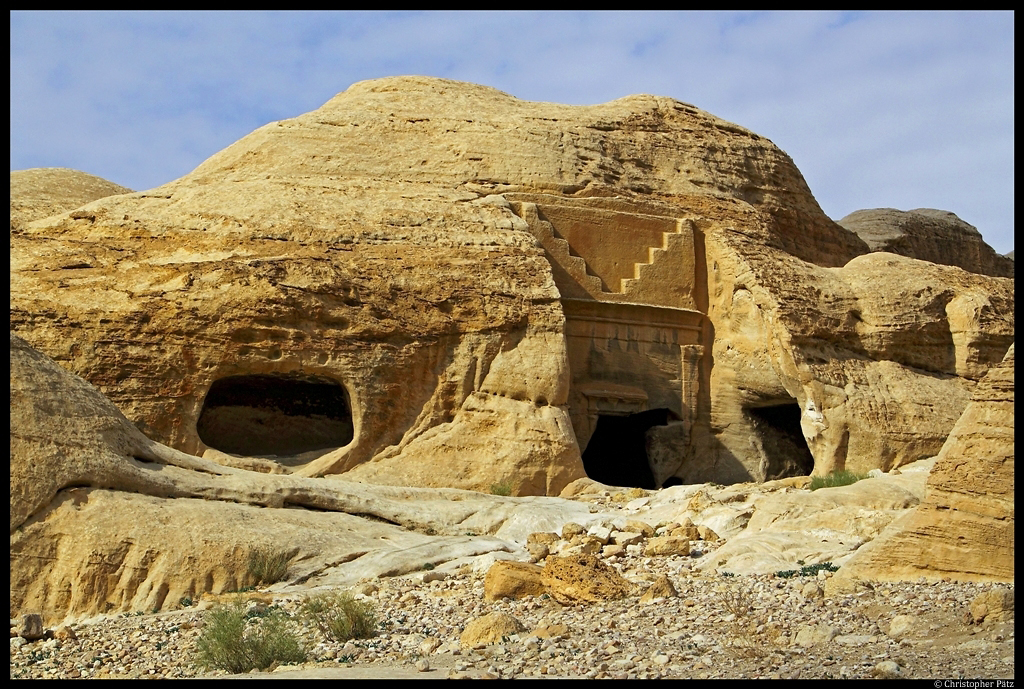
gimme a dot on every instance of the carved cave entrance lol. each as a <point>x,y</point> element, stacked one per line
<point>781,440</point>
<point>275,414</point>
<point>617,451</point>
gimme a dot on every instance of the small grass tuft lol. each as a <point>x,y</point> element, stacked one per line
<point>806,570</point>
<point>339,616</point>
<point>503,488</point>
<point>836,478</point>
<point>235,642</point>
<point>268,566</point>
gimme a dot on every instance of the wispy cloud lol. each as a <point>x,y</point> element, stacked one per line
<point>877,109</point>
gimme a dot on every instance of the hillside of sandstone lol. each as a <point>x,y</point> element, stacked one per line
<point>342,335</point>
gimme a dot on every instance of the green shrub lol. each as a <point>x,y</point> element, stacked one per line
<point>268,566</point>
<point>806,570</point>
<point>503,488</point>
<point>339,616</point>
<point>836,478</point>
<point>231,642</point>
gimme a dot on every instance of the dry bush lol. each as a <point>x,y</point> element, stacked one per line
<point>339,616</point>
<point>268,566</point>
<point>236,641</point>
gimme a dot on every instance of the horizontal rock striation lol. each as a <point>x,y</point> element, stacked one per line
<point>964,526</point>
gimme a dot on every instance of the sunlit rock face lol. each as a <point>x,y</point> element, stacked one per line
<point>432,283</point>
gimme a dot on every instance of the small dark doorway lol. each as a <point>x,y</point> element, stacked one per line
<point>282,414</point>
<point>617,451</point>
<point>782,440</point>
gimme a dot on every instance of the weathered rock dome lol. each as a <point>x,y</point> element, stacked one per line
<point>447,286</point>
<point>431,285</point>
<point>930,235</point>
<point>40,192</point>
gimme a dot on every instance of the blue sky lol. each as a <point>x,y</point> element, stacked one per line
<point>902,110</point>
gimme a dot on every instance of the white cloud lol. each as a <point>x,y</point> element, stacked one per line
<point>877,109</point>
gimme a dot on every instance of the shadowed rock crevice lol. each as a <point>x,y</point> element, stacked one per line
<point>781,441</point>
<point>258,415</point>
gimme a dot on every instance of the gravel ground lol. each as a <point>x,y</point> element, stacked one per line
<point>718,627</point>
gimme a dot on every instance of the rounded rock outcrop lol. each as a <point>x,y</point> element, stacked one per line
<point>930,235</point>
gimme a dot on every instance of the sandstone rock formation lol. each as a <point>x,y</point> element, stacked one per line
<point>930,235</point>
<point>104,520</point>
<point>432,283</point>
<point>964,526</point>
<point>41,192</point>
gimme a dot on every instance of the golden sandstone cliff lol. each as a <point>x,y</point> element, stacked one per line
<point>431,283</point>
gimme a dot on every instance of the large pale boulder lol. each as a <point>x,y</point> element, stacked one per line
<point>964,526</point>
<point>787,528</point>
<point>930,235</point>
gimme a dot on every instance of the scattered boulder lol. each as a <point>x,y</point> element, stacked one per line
<point>636,526</point>
<point>992,606</point>
<point>571,529</point>
<point>538,551</point>
<point>542,537</point>
<point>812,635</point>
<point>31,627</point>
<point>811,590</point>
<point>583,579</point>
<point>624,538</point>
<point>706,533</point>
<point>661,588</point>
<point>690,533</point>
<point>887,669</point>
<point>489,629</point>
<point>508,579</point>
<point>65,633</point>
<point>901,625</point>
<point>668,545</point>
<point>550,631</point>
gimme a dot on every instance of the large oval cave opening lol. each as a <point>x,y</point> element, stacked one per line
<point>275,414</point>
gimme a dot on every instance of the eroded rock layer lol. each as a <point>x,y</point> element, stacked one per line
<point>481,283</point>
<point>964,526</point>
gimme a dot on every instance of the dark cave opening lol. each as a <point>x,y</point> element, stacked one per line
<point>617,451</point>
<point>782,440</point>
<point>275,414</point>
